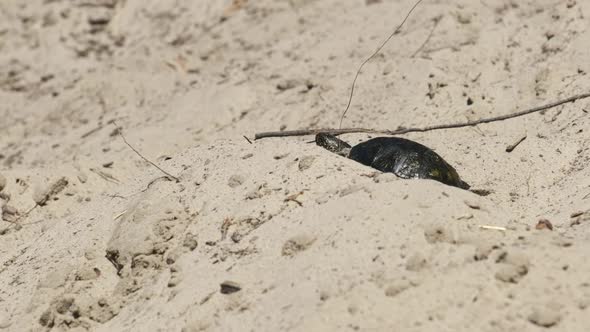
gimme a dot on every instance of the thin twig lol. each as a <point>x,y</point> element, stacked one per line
<point>120,132</point>
<point>119,215</point>
<point>513,146</point>
<point>493,228</point>
<point>92,131</point>
<point>303,132</point>
<point>396,31</point>
<point>436,21</point>
<point>105,176</point>
<point>21,217</point>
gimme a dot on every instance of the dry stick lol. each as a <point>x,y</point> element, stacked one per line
<point>436,21</point>
<point>400,131</point>
<point>96,129</point>
<point>19,218</point>
<point>120,132</point>
<point>372,56</point>
<point>513,146</point>
<point>41,200</point>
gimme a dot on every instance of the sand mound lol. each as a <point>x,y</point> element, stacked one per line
<point>281,234</point>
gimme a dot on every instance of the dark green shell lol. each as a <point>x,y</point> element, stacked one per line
<point>404,158</point>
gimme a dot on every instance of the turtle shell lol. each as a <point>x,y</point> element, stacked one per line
<point>406,159</point>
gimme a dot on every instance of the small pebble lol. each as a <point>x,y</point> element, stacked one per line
<point>297,244</point>
<point>190,241</point>
<point>82,177</point>
<point>472,205</point>
<point>544,224</point>
<point>229,287</point>
<point>544,317</point>
<point>42,195</point>
<point>511,273</point>
<point>4,321</point>
<point>235,181</point>
<point>483,250</point>
<point>397,287</point>
<point>387,69</point>
<point>416,262</point>
<point>88,273</point>
<point>385,177</point>
<point>2,182</point>
<point>175,276</point>
<point>287,84</point>
<point>9,210</point>
<point>306,162</point>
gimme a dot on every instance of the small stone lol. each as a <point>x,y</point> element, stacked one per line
<point>2,182</point>
<point>82,177</point>
<point>4,320</point>
<point>544,224</point>
<point>175,276</point>
<point>575,222</point>
<point>41,196</point>
<point>397,288</point>
<point>87,273</point>
<point>306,162</point>
<point>464,18</point>
<point>56,278</point>
<point>91,254</point>
<point>583,303</point>
<point>482,251</point>
<point>570,3</point>
<point>99,17</point>
<point>190,241</point>
<point>287,84</point>
<point>9,210</point>
<point>511,273</point>
<point>9,213</point>
<point>297,244</point>
<point>437,233</point>
<point>229,287</point>
<point>47,318</point>
<point>472,205</point>
<point>388,69</point>
<point>544,317</point>
<point>235,181</point>
<point>5,196</point>
<point>65,305</point>
<point>385,177</point>
<point>236,237</point>
<point>416,262</point>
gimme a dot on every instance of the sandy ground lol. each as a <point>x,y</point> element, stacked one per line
<point>281,234</point>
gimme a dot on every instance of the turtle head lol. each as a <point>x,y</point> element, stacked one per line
<point>332,143</point>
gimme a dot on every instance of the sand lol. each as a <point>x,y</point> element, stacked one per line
<point>281,235</point>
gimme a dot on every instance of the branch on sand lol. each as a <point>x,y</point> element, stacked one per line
<point>400,131</point>
<point>168,175</point>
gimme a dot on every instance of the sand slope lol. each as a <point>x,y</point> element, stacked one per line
<point>281,234</point>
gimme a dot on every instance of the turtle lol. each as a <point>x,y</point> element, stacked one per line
<point>405,158</point>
